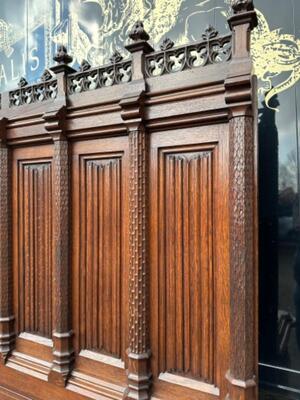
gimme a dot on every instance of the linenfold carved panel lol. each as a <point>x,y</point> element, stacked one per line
<point>35,247</point>
<point>100,253</point>
<point>186,267</point>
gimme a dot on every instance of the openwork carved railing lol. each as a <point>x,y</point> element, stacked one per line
<point>27,94</point>
<point>169,59</point>
<point>88,78</point>
<point>212,50</point>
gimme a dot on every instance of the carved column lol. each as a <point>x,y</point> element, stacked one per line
<point>242,375</point>
<point>139,377</point>
<point>7,334</point>
<point>55,124</point>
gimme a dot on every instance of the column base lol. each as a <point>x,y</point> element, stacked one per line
<point>63,358</point>
<point>7,337</point>
<point>139,378</point>
<point>241,390</point>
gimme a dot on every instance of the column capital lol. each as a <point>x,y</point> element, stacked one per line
<point>132,112</point>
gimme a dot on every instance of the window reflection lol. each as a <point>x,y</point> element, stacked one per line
<point>279,251</point>
<point>268,219</point>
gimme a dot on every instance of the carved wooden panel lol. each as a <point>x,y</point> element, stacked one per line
<point>101,270</point>
<point>186,273</point>
<point>188,216</point>
<point>33,242</point>
<point>187,270</point>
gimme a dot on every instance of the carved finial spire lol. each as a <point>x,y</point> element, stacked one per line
<point>138,32</point>
<point>62,56</point>
<point>22,82</point>
<point>46,76</point>
<point>240,6</point>
<point>243,14</point>
<point>167,44</point>
<point>116,57</point>
<point>210,33</point>
<point>85,65</point>
<point>138,47</point>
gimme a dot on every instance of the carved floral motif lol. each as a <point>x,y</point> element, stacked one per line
<point>210,33</point>
<point>167,44</point>
<point>84,66</point>
<point>22,82</point>
<point>116,57</point>
<point>46,76</point>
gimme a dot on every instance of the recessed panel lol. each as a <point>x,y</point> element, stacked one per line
<point>99,250</point>
<point>186,263</point>
<point>34,204</point>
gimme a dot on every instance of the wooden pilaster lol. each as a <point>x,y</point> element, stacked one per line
<point>55,124</point>
<point>242,375</point>
<point>7,334</point>
<point>139,376</point>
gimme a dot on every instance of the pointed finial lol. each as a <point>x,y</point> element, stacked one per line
<point>210,33</point>
<point>46,76</point>
<point>84,66</point>
<point>138,32</point>
<point>62,56</point>
<point>240,6</point>
<point>167,44</point>
<point>116,57</point>
<point>22,82</point>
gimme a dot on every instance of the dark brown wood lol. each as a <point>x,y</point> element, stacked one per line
<point>6,313</point>
<point>139,376</point>
<point>128,224</point>
<point>55,125</point>
<point>242,373</point>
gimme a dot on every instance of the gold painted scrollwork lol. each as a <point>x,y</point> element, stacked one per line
<point>275,54</point>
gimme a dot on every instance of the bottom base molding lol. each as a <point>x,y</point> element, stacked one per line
<point>94,387</point>
<point>7,394</point>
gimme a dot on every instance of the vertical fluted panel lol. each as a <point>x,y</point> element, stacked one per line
<point>35,248</point>
<point>100,255</point>
<point>186,273</point>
